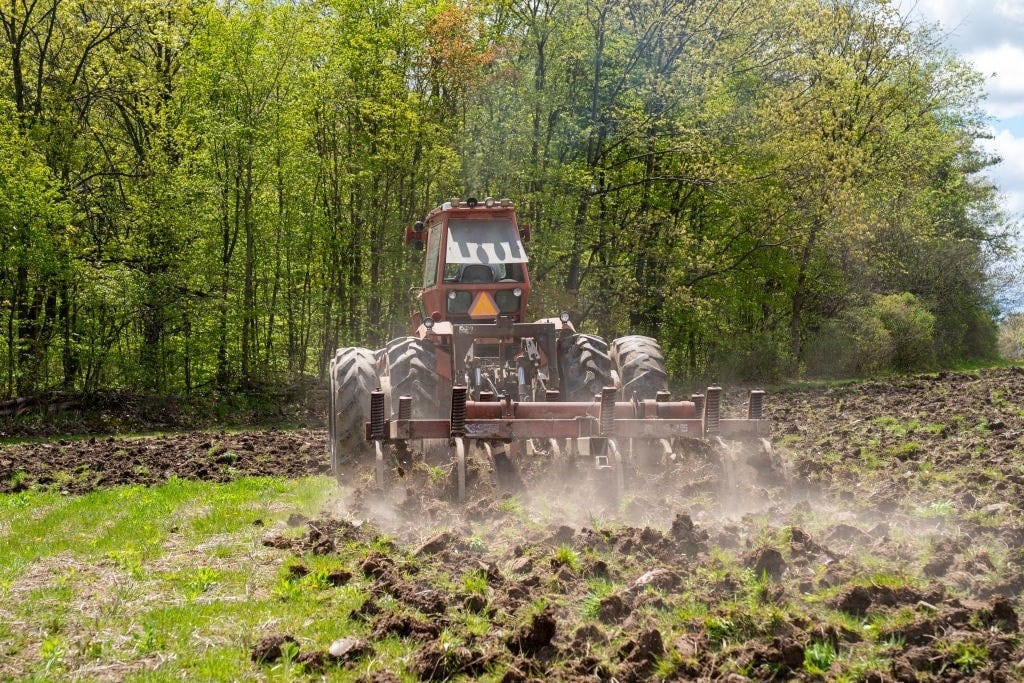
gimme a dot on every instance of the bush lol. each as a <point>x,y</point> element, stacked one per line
<point>892,332</point>
<point>1011,337</point>
<point>856,343</point>
<point>912,327</point>
<point>756,355</point>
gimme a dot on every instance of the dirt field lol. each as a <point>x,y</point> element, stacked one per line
<point>891,547</point>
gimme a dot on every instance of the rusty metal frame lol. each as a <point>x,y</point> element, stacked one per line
<point>498,420</point>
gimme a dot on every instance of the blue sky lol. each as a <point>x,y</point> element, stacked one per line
<point>990,35</point>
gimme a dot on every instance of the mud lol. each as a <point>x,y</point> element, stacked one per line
<point>881,539</point>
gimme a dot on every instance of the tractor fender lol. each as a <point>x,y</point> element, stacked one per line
<point>441,328</point>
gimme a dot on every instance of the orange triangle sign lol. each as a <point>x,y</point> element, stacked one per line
<point>483,307</point>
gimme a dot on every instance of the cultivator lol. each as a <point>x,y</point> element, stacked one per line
<point>609,433</point>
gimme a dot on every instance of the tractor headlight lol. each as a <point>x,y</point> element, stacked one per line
<point>564,316</point>
<point>518,291</point>
<point>428,323</point>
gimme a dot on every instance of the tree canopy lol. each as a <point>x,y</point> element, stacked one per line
<point>203,194</point>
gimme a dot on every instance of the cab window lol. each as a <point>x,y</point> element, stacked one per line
<point>433,251</point>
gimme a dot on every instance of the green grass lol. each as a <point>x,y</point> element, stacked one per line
<point>818,657</point>
<point>111,582</point>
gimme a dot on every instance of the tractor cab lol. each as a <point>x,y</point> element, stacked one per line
<point>475,267</point>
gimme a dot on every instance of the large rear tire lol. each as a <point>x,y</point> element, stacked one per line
<point>353,377</point>
<point>584,366</point>
<point>641,366</point>
<point>412,370</point>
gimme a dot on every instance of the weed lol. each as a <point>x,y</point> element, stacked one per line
<point>436,475</point>
<point>18,479</point>
<point>890,424</point>
<point>51,651</point>
<point>477,625</point>
<point>475,582</point>
<point>966,655</point>
<point>938,508</point>
<point>513,506</point>
<point>150,640</point>
<point>200,581</point>
<point>598,589</point>
<point>906,450</point>
<point>818,657</point>
<point>719,629</point>
<point>669,664</point>
<point>537,606</point>
<point>566,556</point>
<point>871,459</point>
<point>383,543</point>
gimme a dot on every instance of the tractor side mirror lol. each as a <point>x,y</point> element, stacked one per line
<point>415,235</point>
<point>524,233</point>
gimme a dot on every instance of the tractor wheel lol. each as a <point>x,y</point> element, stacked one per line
<point>353,377</point>
<point>584,366</point>
<point>412,369</point>
<point>640,365</point>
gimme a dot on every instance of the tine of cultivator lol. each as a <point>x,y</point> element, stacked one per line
<point>376,415</point>
<point>616,458</point>
<point>378,448</point>
<point>755,407</point>
<point>712,411</point>
<point>377,434</point>
<point>458,414</point>
<point>460,464</point>
<point>607,416</point>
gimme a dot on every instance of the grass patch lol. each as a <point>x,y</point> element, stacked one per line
<point>121,579</point>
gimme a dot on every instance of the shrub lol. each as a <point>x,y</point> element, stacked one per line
<point>892,332</point>
<point>855,343</point>
<point>912,328</point>
<point>1011,337</point>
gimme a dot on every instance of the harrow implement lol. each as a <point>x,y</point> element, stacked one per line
<point>606,432</point>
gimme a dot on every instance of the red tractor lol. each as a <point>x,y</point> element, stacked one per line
<point>512,380</point>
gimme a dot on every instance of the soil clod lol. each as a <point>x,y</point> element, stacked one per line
<point>270,648</point>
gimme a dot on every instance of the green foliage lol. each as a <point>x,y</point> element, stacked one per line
<point>218,204</point>
<point>911,328</point>
<point>1011,337</point>
<point>818,657</point>
<point>967,655</point>
<point>475,582</point>
<point>566,556</point>
<point>893,332</point>
<point>856,343</point>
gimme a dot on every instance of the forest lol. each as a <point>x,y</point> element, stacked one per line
<point>201,195</point>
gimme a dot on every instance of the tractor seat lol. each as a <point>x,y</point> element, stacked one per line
<point>477,273</point>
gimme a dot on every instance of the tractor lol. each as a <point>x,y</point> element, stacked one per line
<point>475,372</point>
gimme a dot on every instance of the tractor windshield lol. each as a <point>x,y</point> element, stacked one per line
<point>485,241</point>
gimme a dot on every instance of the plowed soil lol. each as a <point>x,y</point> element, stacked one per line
<point>881,538</point>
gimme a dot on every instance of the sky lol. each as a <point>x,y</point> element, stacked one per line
<point>990,35</point>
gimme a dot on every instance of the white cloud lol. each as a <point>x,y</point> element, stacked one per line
<point>971,24</point>
<point>1008,175</point>
<point>1002,67</point>
<point>990,35</point>
<point>1011,9</point>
